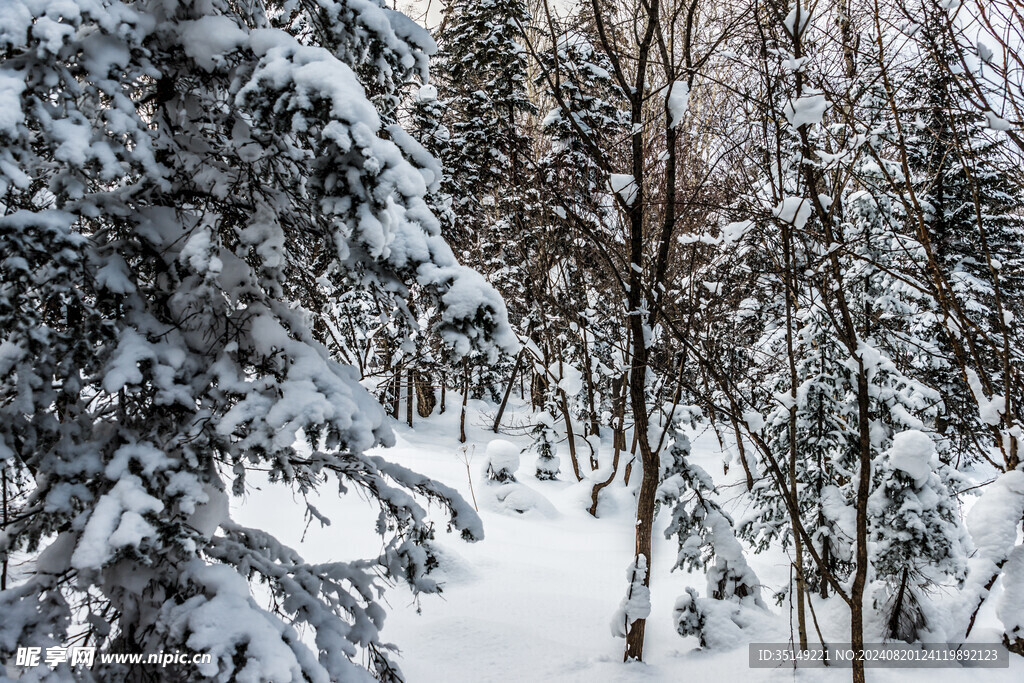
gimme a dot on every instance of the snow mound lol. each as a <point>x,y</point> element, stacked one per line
<point>718,624</point>
<point>519,499</point>
<point>1010,609</point>
<point>993,520</point>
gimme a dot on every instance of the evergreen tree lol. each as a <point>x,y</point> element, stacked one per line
<point>916,529</point>
<point>183,183</point>
<point>481,76</point>
<point>544,444</point>
<point>974,219</point>
<point>586,118</point>
<point>704,530</point>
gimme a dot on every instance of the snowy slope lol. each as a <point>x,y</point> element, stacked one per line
<point>534,600</point>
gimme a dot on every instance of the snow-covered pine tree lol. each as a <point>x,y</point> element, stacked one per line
<point>973,214</point>
<point>428,113</point>
<point>481,74</point>
<point>705,531</point>
<point>917,532</point>
<point>587,118</point>
<point>174,178</point>
<point>545,444</point>
<point>707,541</point>
<point>820,459</point>
<point>911,491</point>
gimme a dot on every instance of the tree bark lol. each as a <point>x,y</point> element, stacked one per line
<point>426,400</point>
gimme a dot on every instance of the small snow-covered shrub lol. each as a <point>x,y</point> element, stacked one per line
<point>501,461</point>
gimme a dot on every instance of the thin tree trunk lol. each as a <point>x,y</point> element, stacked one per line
<point>863,491</point>
<point>619,444</point>
<point>6,503</point>
<point>897,609</point>
<point>444,388</point>
<point>981,601</point>
<point>396,393</point>
<point>426,401</point>
<point>595,425</point>
<point>508,391</point>
<point>570,436</point>
<point>409,399</point>
<point>632,459</point>
<point>790,266</point>
<point>465,400</point>
<point>743,453</point>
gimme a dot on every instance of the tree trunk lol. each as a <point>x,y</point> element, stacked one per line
<point>790,283</point>
<point>426,400</point>
<point>6,502</point>
<point>508,391</point>
<point>743,453</point>
<point>570,437</point>
<point>444,389</point>
<point>619,444</point>
<point>863,491</point>
<point>595,424</point>
<point>396,393</point>
<point>410,397</point>
<point>465,400</point>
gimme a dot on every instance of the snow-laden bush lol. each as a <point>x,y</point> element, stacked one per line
<point>501,461</point>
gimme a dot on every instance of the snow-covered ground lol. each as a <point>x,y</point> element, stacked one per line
<point>533,601</point>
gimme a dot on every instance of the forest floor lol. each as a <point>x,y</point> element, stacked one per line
<point>534,600</point>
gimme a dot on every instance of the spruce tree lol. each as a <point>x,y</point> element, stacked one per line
<point>481,74</point>
<point>183,185</point>
<point>973,214</point>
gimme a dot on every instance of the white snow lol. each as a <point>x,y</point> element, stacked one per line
<point>208,39</point>
<point>569,378</point>
<point>794,210</point>
<point>116,521</point>
<point>913,453</point>
<point>734,232</point>
<point>989,409</point>
<point>637,603</point>
<point>426,93</point>
<point>624,185</point>
<point>1010,609</point>
<point>11,115</point>
<point>516,498</point>
<point>994,519</point>
<point>534,600</point>
<point>996,122</point>
<point>797,19</point>
<point>754,420</point>
<point>501,455</point>
<point>677,101</point>
<point>221,619</point>
<point>802,111</point>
